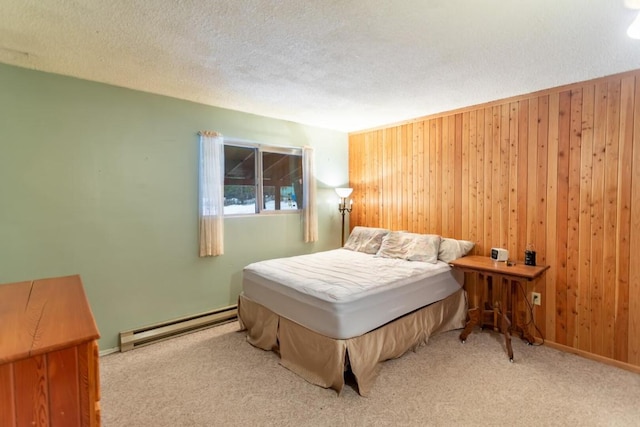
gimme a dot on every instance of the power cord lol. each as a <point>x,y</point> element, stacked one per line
<point>531,321</point>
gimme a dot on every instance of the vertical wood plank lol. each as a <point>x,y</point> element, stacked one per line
<point>634,237</point>
<point>488,180</point>
<point>472,194</point>
<point>547,129</point>
<point>531,226</point>
<point>438,173</point>
<point>523,175</point>
<point>7,396</point>
<point>406,176</point>
<point>532,172</point>
<point>32,397</point>
<point>433,178</point>
<point>64,393</point>
<point>504,176</point>
<point>480,247</point>
<point>623,225</point>
<point>463,213</point>
<point>396,222</point>
<point>396,160</point>
<point>610,217</point>
<point>550,117</point>
<point>354,166</point>
<point>380,178</point>
<point>451,177</point>
<point>573,216</point>
<point>597,217</point>
<point>564,129</point>
<point>496,214</point>
<point>388,193</point>
<point>520,200</point>
<point>418,177</point>
<point>364,185</point>
<point>425,180</point>
<point>452,174</point>
<point>94,384</point>
<point>88,370</point>
<point>512,183</point>
<point>584,244</point>
<point>446,180</point>
<point>456,209</point>
<point>354,183</point>
<point>360,186</point>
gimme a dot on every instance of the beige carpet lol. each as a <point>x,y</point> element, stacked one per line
<point>215,378</point>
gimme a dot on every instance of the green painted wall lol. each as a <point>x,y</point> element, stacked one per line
<point>101,181</point>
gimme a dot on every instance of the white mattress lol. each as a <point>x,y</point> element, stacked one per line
<point>342,294</point>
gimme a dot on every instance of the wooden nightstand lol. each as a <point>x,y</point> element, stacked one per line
<point>504,276</point>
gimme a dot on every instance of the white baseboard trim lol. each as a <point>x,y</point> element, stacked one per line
<point>108,351</point>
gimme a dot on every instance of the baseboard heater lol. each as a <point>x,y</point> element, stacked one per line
<point>172,328</point>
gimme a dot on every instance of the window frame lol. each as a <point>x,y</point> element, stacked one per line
<point>261,148</point>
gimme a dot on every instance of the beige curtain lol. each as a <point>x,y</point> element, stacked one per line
<point>211,198</point>
<point>309,205</point>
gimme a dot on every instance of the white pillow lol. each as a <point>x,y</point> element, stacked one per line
<point>410,246</point>
<point>395,245</point>
<point>425,248</point>
<point>451,249</point>
<point>365,239</point>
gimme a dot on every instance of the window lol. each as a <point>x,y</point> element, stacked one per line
<point>261,179</point>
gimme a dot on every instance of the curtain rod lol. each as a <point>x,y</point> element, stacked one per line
<point>242,141</point>
<point>246,141</point>
<point>209,133</point>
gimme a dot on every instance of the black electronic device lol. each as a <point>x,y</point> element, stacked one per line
<point>529,257</point>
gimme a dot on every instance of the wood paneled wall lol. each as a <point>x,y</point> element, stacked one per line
<point>558,169</point>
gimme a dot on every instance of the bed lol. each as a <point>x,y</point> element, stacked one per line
<point>351,308</point>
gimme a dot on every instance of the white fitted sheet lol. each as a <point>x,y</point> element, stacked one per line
<point>343,294</point>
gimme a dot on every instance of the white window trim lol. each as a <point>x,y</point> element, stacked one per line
<point>261,148</point>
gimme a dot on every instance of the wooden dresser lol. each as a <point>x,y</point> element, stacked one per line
<point>48,355</point>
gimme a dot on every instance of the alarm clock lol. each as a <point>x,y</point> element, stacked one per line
<point>499,254</point>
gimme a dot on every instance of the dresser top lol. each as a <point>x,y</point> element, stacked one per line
<point>43,315</point>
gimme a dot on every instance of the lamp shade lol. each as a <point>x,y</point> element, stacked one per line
<point>632,4</point>
<point>344,192</point>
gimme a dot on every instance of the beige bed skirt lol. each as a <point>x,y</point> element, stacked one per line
<point>323,361</point>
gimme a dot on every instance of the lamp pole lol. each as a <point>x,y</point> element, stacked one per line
<point>342,207</point>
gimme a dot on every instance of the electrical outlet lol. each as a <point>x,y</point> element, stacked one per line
<point>536,298</point>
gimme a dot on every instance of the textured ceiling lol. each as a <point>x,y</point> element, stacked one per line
<point>345,65</point>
